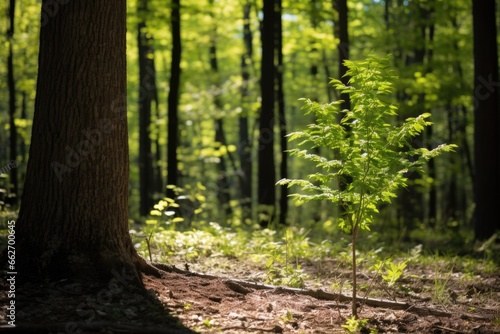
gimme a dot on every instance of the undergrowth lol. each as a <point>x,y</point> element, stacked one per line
<point>281,256</point>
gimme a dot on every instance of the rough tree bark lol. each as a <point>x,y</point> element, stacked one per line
<point>73,220</point>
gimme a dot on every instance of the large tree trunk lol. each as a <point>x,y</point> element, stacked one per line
<point>173,97</point>
<point>73,220</point>
<point>266,169</point>
<point>486,119</point>
<point>147,88</point>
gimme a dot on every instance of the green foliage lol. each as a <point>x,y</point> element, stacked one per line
<point>367,148</point>
<point>391,271</point>
<point>371,155</point>
<point>354,326</point>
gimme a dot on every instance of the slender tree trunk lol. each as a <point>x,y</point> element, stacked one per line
<point>24,107</point>
<point>223,190</point>
<point>343,47</point>
<point>280,99</point>
<point>245,147</point>
<point>428,31</point>
<point>13,192</point>
<point>486,119</point>
<point>73,220</point>
<point>330,91</point>
<point>266,168</point>
<point>157,163</point>
<point>413,205</point>
<point>173,97</point>
<point>147,89</point>
<point>343,55</point>
<point>457,125</point>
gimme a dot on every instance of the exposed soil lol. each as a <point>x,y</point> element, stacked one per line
<point>184,302</point>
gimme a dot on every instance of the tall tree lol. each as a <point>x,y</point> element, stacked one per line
<point>12,101</point>
<point>73,220</point>
<point>411,199</point>
<point>428,29</point>
<point>343,46</point>
<point>486,119</point>
<point>266,168</point>
<point>342,31</point>
<point>173,96</point>
<point>147,89</point>
<point>223,189</point>
<point>280,99</point>
<point>245,174</point>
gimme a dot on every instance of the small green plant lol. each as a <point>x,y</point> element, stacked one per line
<point>287,317</point>
<point>391,271</point>
<point>366,156</point>
<point>354,325</point>
<point>285,276</point>
<point>440,293</point>
<point>208,323</point>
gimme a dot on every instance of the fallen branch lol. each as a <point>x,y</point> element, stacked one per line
<point>238,285</point>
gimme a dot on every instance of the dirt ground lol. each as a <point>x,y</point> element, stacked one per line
<point>184,302</point>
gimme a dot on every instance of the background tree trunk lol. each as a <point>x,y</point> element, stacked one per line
<point>280,99</point>
<point>13,192</point>
<point>147,89</point>
<point>486,119</point>
<point>341,30</point>
<point>173,97</point>
<point>245,147</point>
<point>266,169</point>
<point>73,219</point>
<point>343,47</point>
<point>223,189</point>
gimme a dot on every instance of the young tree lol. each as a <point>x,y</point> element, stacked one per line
<point>369,152</point>
<point>73,220</point>
<point>486,119</point>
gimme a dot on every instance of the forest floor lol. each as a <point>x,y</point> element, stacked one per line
<point>232,299</point>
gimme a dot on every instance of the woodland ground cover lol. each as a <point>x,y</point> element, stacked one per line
<point>291,280</point>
